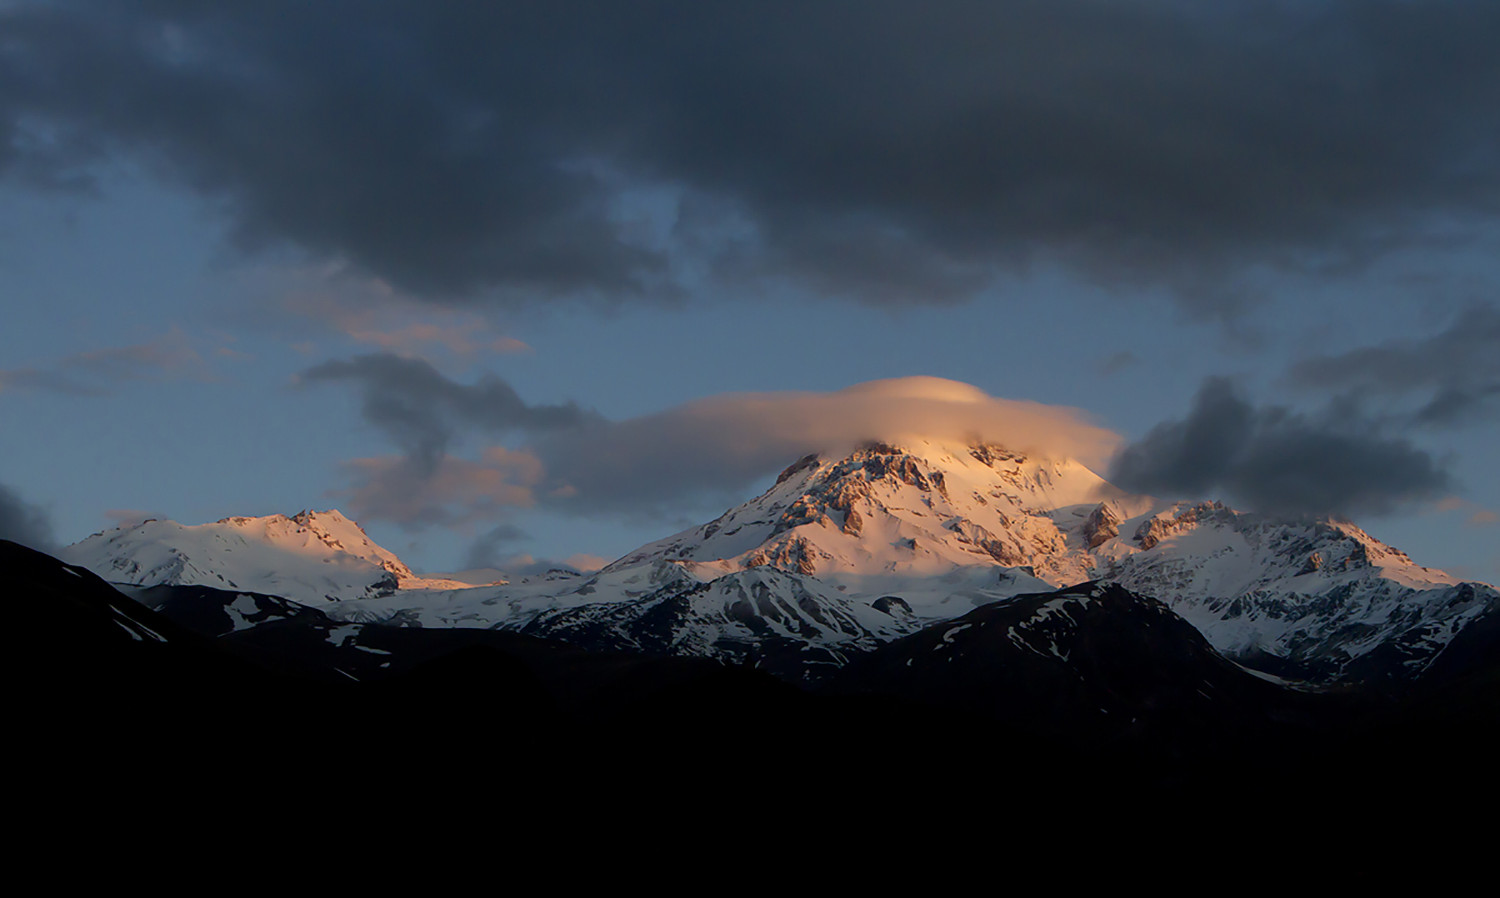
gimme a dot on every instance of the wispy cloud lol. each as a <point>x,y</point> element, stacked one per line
<point>1453,376</point>
<point>1476,515</point>
<point>372,314</point>
<point>97,372</point>
<point>421,410</point>
<point>451,491</point>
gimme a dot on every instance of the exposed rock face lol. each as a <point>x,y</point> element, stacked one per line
<point>795,554</point>
<point>798,466</point>
<point>1180,519</point>
<point>1103,525</point>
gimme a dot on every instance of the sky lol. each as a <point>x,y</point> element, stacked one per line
<point>517,284</point>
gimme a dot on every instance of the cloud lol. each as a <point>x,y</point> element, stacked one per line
<point>710,449</point>
<point>487,551</point>
<point>720,445</point>
<point>24,523</point>
<point>875,149</point>
<point>524,565</point>
<point>421,410</point>
<point>96,372</point>
<point>1476,515</point>
<point>1117,362</point>
<point>376,317</point>
<point>1455,373</point>
<point>35,379</point>
<point>1276,460</point>
<point>449,491</point>
<point>493,553</point>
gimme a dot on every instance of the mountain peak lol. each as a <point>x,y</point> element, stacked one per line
<point>311,557</point>
<point>331,516</point>
<point>916,506</point>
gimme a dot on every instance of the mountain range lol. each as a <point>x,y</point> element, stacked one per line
<point>848,552</point>
<point>875,623</point>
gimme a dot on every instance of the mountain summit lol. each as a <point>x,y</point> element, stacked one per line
<point>310,557</point>
<point>915,510</point>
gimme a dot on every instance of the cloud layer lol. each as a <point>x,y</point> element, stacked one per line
<point>877,149</point>
<point>715,448</point>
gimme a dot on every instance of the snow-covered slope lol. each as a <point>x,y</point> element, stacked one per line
<point>311,557</point>
<point>915,511</point>
<point>1319,599</point>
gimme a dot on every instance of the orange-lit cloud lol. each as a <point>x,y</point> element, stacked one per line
<point>712,449</point>
<point>376,316</point>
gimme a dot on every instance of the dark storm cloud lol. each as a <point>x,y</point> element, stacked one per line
<point>1455,373</point>
<point>1276,460</point>
<point>421,410</point>
<point>893,151</point>
<point>24,523</point>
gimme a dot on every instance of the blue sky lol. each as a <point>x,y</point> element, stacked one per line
<point>185,321</point>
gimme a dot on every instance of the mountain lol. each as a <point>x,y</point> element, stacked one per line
<point>1077,701</point>
<point>1319,600</point>
<point>311,557</point>
<point>846,552</point>
<point>1090,662</point>
<point>950,526</point>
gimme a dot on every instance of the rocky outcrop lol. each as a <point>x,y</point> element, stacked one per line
<point>1103,525</point>
<point>1179,519</point>
<point>796,555</point>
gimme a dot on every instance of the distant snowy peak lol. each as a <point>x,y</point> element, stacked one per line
<point>310,557</point>
<point>1220,542</point>
<point>1312,599</point>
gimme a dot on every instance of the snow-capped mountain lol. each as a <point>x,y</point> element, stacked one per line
<point>1314,599</point>
<point>312,557</point>
<point>845,552</point>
